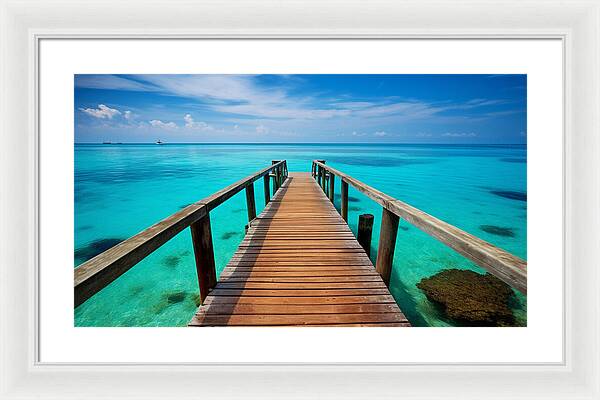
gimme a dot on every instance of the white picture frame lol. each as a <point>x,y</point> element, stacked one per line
<point>24,24</point>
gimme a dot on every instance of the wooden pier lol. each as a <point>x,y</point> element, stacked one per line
<point>299,263</point>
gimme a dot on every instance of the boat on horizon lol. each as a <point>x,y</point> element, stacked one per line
<point>158,142</point>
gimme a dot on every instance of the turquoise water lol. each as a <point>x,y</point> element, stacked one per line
<point>122,189</point>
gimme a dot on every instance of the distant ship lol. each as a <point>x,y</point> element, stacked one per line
<point>159,142</point>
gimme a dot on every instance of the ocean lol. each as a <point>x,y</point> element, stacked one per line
<point>123,189</point>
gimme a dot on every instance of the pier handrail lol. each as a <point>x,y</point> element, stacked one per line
<point>95,274</point>
<point>505,266</point>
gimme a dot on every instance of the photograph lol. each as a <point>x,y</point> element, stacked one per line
<point>300,200</point>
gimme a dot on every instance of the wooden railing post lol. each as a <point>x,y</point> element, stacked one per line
<point>280,175</point>
<point>365,232</point>
<point>321,174</point>
<point>275,177</point>
<point>387,244</point>
<point>250,202</point>
<point>266,179</point>
<point>344,200</point>
<point>204,254</point>
<point>331,186</point>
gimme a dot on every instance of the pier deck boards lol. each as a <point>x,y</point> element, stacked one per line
<point>299,264</point>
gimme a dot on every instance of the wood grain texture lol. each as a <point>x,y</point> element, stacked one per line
<point>299,265</point>
<point>507,267</point>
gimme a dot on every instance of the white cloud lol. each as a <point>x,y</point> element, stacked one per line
<point>128,115</point>
<point>102,112</point>
<point>157,123</point>
<point>457,135</point>
<point>423,134</point>
<point>380,134</point>
<point>198,125</point>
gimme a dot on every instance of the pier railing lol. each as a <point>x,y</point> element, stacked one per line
<point>505,266</point>
<point>98,272</point>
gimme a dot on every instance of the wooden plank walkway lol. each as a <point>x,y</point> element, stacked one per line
<point>299,264</point>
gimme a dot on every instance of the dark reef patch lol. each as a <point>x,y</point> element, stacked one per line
<point>229,235</point>
<point>169,298</point>
<point>498,230</point>
<point>171,261</point>
<point>175,297</point>
<point>85,228</point>
<point>351,199</point>
<point>469,298</point>
<point>136,289</point>
<point>181,207</point>
<point>354,208</point>
<point>404,227</point>
<point>96,247</point>
<point>510,194</point>
<point>238,210</point>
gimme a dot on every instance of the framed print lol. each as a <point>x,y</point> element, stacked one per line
<point>276,201</point>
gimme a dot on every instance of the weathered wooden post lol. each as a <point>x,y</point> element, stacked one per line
<point>344,200</point>
<point>365,231</point>
<point>280,174</point>
<point>204,255</point>
<point>387,244</point>
<point>322,174</point>
<point>250,202</point>
<point>275,177</point>
<point>331,186</point>
<point>319,172</point>
<point>266,179</point>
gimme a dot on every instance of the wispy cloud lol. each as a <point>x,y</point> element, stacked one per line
<point>111,82</point>
<point>274,106</point>
<point>243,95</point>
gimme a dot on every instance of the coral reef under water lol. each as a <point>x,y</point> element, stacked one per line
<point>498,230</point>
<point>469,298</point>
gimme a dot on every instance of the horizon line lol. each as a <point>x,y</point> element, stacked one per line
<point>292,143</point>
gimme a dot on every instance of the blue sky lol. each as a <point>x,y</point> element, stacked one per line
<point>488,109</point>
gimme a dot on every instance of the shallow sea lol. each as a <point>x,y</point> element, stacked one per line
<point>122,189</point>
